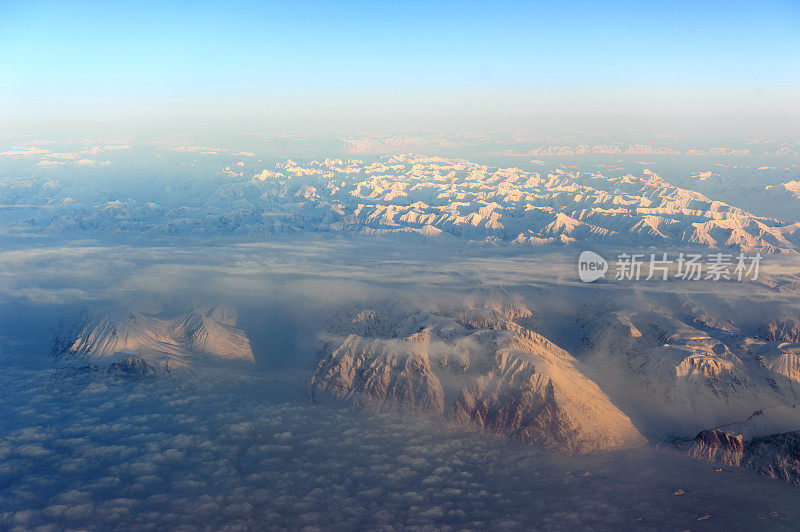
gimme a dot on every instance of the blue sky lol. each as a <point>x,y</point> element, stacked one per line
<point>84,61</point>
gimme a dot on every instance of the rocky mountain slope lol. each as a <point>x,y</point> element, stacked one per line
<point>152,341</point>
<point>475,366</point>
<point>681,373</point>
<point>776,455</point>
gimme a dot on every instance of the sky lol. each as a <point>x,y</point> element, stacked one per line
<point>634,66</point>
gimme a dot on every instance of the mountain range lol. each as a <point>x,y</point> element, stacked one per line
<point>689,371</point>
<point>410,194</point>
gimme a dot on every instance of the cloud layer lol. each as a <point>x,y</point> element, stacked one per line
<point>104,454</point>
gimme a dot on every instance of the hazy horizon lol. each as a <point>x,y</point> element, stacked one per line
<point>619,68</point>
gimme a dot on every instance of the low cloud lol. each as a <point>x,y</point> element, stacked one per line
<point>207,453</point>
<point>24,151</point>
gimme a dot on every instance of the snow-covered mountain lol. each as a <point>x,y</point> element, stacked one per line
<point>681,374</point>
<point>475,366</point>
<point>665,366</point>
<point>154,341</point>
<point>411,194</point>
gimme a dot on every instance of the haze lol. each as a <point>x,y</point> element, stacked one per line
<point>621,68</point>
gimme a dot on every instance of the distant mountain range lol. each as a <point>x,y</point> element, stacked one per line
<point>406,194</point>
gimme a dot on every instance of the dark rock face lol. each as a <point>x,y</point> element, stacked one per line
<point>777,455</point>
<point>127,369</point>
<point>135,368</point>
<point>717,446</point>
<point>79,371</point>
<point>781,330</point>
